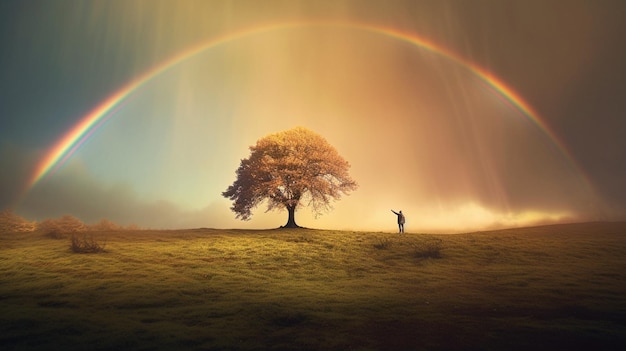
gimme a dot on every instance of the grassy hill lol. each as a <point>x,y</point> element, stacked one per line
<point>541,288</point>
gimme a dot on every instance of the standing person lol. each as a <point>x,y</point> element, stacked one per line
<point>401,220</point>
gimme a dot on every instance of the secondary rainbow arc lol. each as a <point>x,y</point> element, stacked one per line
<point>76,136</point>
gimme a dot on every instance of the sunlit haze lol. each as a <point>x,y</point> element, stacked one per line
<point>464,115</point>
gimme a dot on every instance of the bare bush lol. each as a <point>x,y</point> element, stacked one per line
<point>382,244</point>
<point>428,249</point>
<point>86,244</point>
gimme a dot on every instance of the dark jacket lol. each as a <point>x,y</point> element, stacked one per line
<point>401,219</point>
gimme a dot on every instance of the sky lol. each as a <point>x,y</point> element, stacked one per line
<point>465,115</point>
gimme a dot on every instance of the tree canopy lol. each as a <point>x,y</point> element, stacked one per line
<point>290,169</point>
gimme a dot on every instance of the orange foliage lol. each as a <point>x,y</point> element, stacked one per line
<point>58,228</point>
<point>10,222</point>
<point>290,169</point>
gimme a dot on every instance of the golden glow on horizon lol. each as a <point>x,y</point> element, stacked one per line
<point>462,217</point>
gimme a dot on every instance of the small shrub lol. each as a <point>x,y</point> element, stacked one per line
<point>382,244</point>
<point>50,228</point>
<point>71,224</point>
<point>59,228</point>
<point>428,249</point>
<point>10,222</point>
<point>86,244</point>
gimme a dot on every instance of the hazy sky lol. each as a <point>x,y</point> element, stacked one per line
<point>422,131</point>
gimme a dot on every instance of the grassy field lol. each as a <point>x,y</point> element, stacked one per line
<point>542,288</point>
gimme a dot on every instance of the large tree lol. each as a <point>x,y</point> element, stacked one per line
<point>290,169</point>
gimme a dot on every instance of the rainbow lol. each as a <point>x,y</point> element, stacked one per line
<point>91,122</point>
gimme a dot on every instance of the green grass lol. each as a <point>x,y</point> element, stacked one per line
<point>546,288</point>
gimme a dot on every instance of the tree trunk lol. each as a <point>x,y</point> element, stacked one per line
<point>291,222</point>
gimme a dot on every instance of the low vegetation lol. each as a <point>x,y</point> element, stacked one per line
<point>543,288</point>
<point>64,227</point>
<point>86,244</point>
<point>428,248</point>
<point>61,228</point>
<point>10,222</point>
<point>382,244</point>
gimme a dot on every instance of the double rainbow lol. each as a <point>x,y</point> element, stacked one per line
<point>91,122</point>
